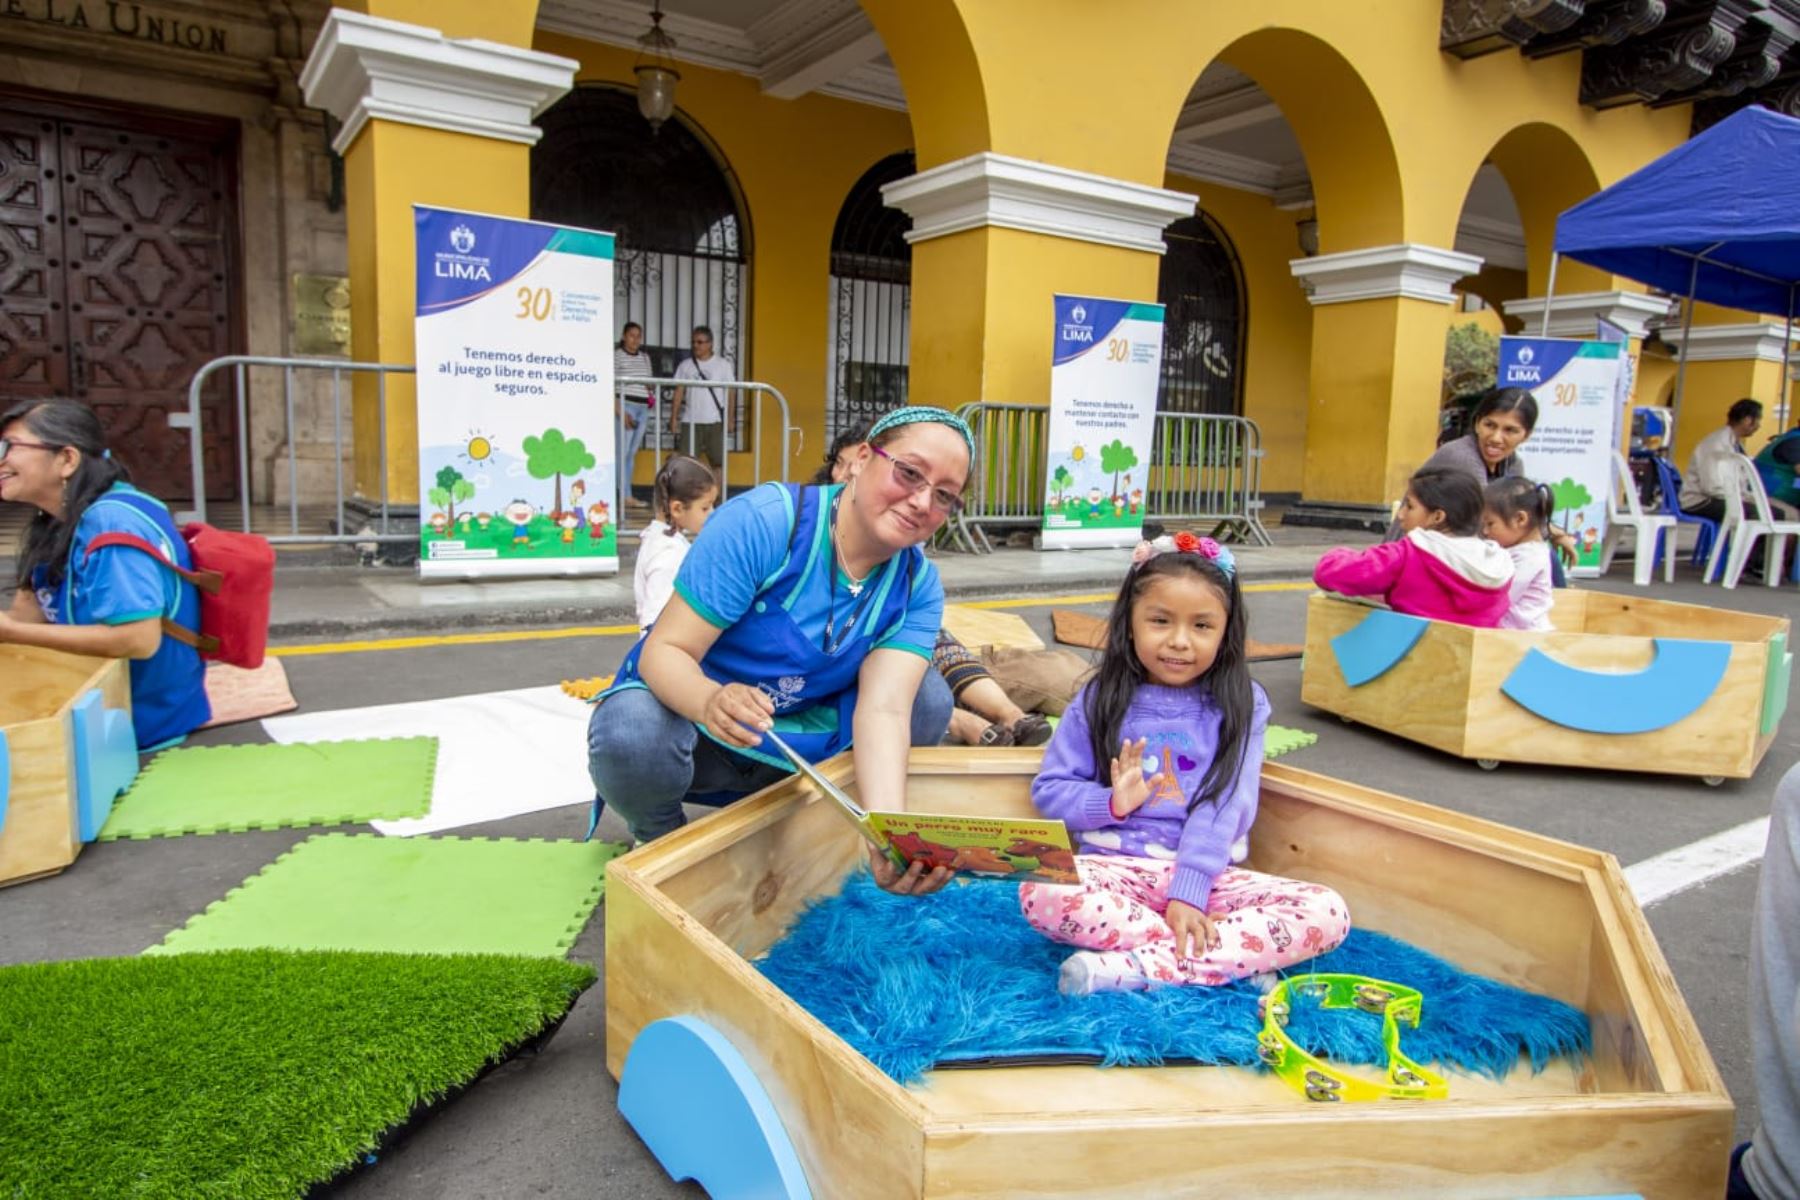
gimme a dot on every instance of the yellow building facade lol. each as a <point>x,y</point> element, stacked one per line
<point>1346,181</point>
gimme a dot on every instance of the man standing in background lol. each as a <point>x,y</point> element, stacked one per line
<point>702,409</point>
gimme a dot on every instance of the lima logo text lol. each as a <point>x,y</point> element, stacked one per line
<point>458,266</point>
<point>1524,371</point>
<point>1078,330</point>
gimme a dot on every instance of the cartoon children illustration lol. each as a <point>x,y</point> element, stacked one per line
<point>1590,539</point>
<point>571,521</point>
<point>1137,499</point>
<point>1095,498</point>
<point>598,514</point>
<point>439,523</point>
<point>465,523</point>
<point>520,512</point>
<point>577,490</point>
<point>1118,503</point>
<point>484,520</point>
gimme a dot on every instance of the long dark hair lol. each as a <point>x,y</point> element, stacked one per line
<point>1120,674</point>
<point>1507,400</point>
<point>63,424</point>
<point>1454,494</point>
<point>684,479</point>
<point>1507,498</point>
<point>853,435</point>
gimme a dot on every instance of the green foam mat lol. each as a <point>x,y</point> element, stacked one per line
<point>253,1075</point>
<point>1279,740</point>
<point>423,895</point>
<point>217,789</point>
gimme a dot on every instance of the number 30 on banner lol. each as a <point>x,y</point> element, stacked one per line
<point>534,304</point>
<point>1566,394</point>
<point>1118,349</point>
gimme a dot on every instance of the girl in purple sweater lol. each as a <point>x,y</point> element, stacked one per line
<point>1156,768</point>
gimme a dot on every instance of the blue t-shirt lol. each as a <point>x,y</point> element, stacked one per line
<point>743,544</point>
<point>119,585</point>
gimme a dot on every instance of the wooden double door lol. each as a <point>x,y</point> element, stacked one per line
<point>119,277</point>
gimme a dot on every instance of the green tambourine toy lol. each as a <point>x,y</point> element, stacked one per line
<point>1319,1080</point>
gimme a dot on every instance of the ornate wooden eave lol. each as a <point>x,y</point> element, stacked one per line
<point>1718,55</point>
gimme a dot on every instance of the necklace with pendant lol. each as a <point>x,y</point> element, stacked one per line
<point>855,585</point>
<point>833,636</point>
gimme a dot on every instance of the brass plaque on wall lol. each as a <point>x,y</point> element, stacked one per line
<point>321,307</point>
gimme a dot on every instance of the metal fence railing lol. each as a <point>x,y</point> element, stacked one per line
<point>1203,469</point>
<point>380,526</point>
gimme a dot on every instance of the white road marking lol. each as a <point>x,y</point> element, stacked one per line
<point>1689,866</point>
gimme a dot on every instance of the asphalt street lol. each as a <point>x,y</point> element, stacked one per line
<point>548,1125</point>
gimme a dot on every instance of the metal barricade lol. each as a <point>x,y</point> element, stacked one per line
<point>657,434</point>
<point>240,365</point>
<point>1203,469</point>
<point>381,527</point>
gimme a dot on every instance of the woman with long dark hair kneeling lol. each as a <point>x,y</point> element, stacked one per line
<point>112,602</point>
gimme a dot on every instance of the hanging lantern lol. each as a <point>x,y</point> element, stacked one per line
<point>656,73</point>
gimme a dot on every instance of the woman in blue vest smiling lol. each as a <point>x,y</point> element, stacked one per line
<point>110,603</point>
<point>809,610</point>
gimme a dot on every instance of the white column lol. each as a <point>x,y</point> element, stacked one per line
<point>1578,314</point>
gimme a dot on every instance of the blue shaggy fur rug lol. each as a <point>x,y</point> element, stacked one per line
<point>959,976</point>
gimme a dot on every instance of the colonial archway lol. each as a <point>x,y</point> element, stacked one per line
<point>670,199</point>
<point>871,301</point>
<point>1205,323</point>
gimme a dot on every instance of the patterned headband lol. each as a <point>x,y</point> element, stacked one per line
<point>913,414</point>
<point>1186,543</point>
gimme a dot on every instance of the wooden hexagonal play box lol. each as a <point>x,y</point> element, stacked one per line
<point>1623,682</point>
<point>1647,1114</point>
<point>59,713</point>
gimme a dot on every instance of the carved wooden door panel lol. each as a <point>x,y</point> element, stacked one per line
<point>118,277</point>
<point>34,359</point>
<point>149,275</point>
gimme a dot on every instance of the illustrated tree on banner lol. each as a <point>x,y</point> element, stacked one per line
<point>453,488</point>
<point>1062,481</point>
<point>1569,497</point>
<point>551,454</point>
<point>1116,458</point>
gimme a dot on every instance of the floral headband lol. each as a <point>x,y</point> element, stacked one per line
<point>1186,543</point>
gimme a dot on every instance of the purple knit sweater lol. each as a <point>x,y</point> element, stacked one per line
<point>1182,729</point>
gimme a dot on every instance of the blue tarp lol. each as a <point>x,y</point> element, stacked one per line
<point>1731,194</point>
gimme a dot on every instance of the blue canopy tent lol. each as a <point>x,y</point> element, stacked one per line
<point>1715,219</point>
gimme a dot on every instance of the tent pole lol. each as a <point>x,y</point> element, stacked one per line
<point>1549,291</point>
<point>1787,366</point>
<point>1687,335</point>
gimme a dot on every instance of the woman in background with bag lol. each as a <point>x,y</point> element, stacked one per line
<point>112,602</point>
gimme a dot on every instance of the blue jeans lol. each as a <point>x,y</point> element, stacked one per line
<point>645,760</point>
<point>631,440</point>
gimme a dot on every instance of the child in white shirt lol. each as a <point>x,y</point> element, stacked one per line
<point>1516,514</point>
<point>686,490</point>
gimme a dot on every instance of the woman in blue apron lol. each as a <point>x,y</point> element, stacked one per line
<point>110,603</point>
<point>809,610</point>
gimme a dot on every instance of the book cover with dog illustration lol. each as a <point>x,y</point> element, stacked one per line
<point>1018,849</point>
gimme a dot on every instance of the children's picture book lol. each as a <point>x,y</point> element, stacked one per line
<point>1020,849</point>
<point>1017,848</point>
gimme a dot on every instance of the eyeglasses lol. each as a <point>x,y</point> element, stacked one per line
<point>8,445</point>
<point>914,481</point>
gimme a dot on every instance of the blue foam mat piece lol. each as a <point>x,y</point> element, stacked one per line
<point>1375,644</point>
<point>698,1106</point>
<point>106,759</point>
<point>1677,683</point>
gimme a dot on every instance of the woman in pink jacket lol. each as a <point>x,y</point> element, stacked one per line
<point>1441,568</point>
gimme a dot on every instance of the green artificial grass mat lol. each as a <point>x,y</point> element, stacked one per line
<point>245,1075</point>
<point>423,895</point>
<point>1280,739</point>
<point>213,789</point>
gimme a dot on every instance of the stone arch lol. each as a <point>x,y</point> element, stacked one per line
<point>1342,131</point>
<point>940,72</point>
<point>1548,171</point>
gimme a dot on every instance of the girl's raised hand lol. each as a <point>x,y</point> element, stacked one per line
<point>1193,928</point>
<point>1131,789</point>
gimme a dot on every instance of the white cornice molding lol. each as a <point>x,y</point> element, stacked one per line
<point>1757,340</point>
<point>1576,314</point>
<point>1224,168</point>
<point>872,83</point>
<point>990,189</point>
<point>364,67</point>
<point>1408,269</point>
<point>1499,243</point>
<point>622,23</point>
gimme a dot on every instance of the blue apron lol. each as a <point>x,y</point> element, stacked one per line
<point>813,690</point>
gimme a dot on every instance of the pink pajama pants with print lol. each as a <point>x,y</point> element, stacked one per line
<point>1265,922</point>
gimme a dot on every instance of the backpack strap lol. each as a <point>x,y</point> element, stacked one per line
<point>207,581</point>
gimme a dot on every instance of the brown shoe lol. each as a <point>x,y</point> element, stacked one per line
<point>1032,729</point>
<point>997,735</point>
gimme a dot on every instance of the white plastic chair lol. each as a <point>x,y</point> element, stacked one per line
<point>1646,526</point>
<point>1740,528</point>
